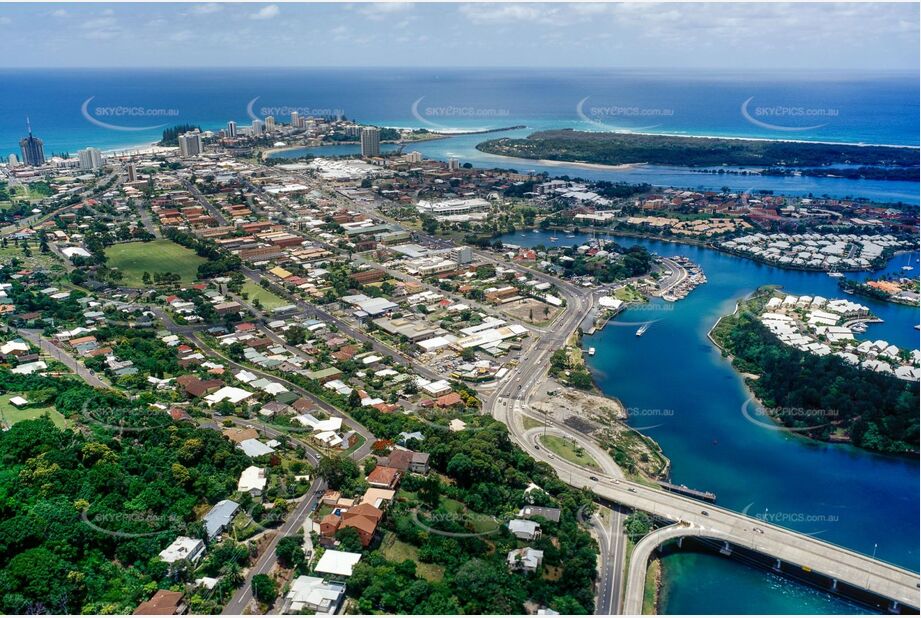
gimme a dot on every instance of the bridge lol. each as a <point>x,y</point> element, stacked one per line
<point>837,565</point>
<point>694,518</point>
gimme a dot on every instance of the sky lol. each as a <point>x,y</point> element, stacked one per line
<point>788,36</point>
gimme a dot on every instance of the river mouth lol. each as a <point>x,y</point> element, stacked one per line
<point>865,501</point>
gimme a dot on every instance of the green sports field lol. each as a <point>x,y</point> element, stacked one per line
<point>134,258</point>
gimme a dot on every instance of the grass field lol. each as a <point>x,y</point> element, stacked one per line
<point>134,258</point>
<point>267,299</point>
<point>565,449</point>
<point>12,415</point>
<point>396,550</point>
<point>531,423</point>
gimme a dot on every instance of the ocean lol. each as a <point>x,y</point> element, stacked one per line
<point>874,108</point>
<point>872,498</point>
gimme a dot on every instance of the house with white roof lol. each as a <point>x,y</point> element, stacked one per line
<point>252,481</point>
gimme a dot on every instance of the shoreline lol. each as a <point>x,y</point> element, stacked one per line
<point>705,245</point>
<point>436,135</point>
<point>743,138</point>
<point>745,377</point>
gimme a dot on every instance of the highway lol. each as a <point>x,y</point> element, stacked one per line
<point>509,404</point>
<point>613,546</point>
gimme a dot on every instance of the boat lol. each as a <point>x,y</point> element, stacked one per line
<point>642,329</point>
<point>835,274</point>
<point>591,351</point>
<point>553,239</point>
<point>907,267</point>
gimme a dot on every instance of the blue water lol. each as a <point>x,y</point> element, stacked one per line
<point>464,148</point>
<point>881,109</point>
<point>872,498</point>
<point>691,401</point>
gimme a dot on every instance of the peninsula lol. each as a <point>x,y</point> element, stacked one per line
<point>629,148</point>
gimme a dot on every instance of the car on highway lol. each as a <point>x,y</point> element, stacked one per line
<point>594,478</point>
<point>705,513</point>
<point>631,490</point>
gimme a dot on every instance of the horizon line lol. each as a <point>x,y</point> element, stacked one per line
<point>889,70</point>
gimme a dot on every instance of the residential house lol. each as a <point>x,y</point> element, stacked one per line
<point>524,529</point>
<point>252,481</point>
<point>314,595</point>
<point>183,548</point>
<point>547,512</point>
<point>364,518</point>
<point>219,517</point>
<point>526,559</point>
<point>384,477</point>
<point>162,603</point>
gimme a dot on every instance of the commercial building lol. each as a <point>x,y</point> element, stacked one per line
<point>370,142</point>
<point>231,129</point>
<point>90,158</point>
<point>190,144</point>
<point>33,149</point>
<point>452,206</point>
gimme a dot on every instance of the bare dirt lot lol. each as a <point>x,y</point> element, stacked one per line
<point>525,308</point>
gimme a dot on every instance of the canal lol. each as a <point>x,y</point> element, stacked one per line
<point>683,393</point>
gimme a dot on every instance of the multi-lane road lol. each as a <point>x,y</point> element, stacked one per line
<point>510,403</point>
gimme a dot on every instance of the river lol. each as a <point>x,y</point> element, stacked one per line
<point>683,393</point>
<point>464,148</point>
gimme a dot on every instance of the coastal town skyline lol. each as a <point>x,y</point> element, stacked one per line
<point>445,326</point>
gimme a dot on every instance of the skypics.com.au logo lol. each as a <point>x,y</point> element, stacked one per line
<point>785,117</point>
<point>117,116</point>
<point>622,118</point>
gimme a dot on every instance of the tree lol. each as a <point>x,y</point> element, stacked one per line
<point>488,588</point>
<point>337,470</point>
<point>637,525</point>
<point>290,552</point>
<point>354,399</point>
<point>430,491</point>
<point>581,379</point>
<point>265,590</point>
<point>349,539</point>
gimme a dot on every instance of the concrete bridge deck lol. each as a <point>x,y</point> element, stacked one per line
<point>710,521</point>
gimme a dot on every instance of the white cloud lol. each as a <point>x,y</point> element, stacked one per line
<point>269,11</point>
<point>382,10</point>
<point>206,9</point>
<point>503,13</point>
